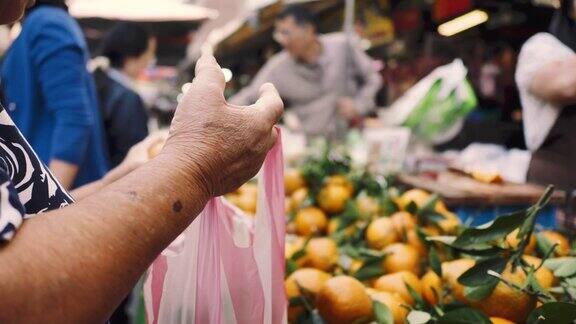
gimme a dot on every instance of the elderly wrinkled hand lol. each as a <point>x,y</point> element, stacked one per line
<point>221,145</point>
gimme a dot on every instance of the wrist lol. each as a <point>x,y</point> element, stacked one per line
<point>185,175</point>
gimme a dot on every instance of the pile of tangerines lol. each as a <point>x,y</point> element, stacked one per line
<point>360,251</point>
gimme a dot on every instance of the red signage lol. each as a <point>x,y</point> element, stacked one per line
<point>446,9</point>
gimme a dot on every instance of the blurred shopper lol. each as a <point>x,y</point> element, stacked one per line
<point>129,50</point>
<point>546,78</point>
<point>52,97</point>
<point>327,80</point>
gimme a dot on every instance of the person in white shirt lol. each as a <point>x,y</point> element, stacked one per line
<point>546,78</point>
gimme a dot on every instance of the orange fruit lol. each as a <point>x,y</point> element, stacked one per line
<point>396,283</point>
<point>356,265</point>
<point>513,242</point>
<point>507,302</point>
<point>487,177</point>
<point>293,244</point>
<point>321,253</point>
<point>451,270</point>
<point>332,198</point>
<point>368,206</point>
<point>250,189</point>
<point>380,233</point>
<point>393,301</point>
<point>450,223</point>
<point>343,299</point>
<point>340,180</point>
<point>298,197</point>
<point>431,287</point>
<point>310,220</point>
<point>247,203</point>
<point>403,222</point>
<point>287,206</point>
<point>420,198</point>
<point>544,276</point>
<point>431,231</point>
<point>498,320</point>
<point>417,196</point>
<point>293,180</point>
<point>311,280</point>
<point>401,257</point>
<point>441,207</point>
<point>563,248</point>
<point>414,241</point>
<point>155,149</point>
<point>233,198</point>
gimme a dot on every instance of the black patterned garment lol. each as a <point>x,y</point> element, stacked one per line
<point>27,187</point>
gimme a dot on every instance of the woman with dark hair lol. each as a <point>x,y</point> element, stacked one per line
<point>51,94</point>
<point>546,78</point>
<point>129,50</point>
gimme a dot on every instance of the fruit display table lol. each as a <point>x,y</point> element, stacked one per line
<point>481,201</point>
<point>458,189</point>
<point>365,248</point>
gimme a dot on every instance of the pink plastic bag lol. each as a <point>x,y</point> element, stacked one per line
<point>226,267</point>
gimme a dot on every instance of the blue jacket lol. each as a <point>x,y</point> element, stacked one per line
<point>51,95</point>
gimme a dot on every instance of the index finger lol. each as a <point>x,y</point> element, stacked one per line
<point>269,104</point>
<point>208,72</point>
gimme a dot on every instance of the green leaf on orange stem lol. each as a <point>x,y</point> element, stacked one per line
<point>479,292</point>
<point>496,230</point>
<point>420,303</point>
<point>464,315</point>
<point>567,269</point>
<point>418,317</point>
<point>382,313</point>
<point>369,272</point>
<point>478,274</point>
<point>553,313</point>
<point>528,226</point>
<point>434,261</point>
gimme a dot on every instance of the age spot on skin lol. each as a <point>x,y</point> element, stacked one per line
<point>132,195</point>
<point>177,206</point>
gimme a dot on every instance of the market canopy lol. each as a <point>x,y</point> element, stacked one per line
<point>141,10</point>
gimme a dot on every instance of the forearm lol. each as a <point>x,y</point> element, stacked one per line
<point>112,176</point>
<point>65,172</point>
<point>95,251</point>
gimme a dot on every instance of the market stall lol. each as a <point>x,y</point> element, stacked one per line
<point>383,227</point>
<point>361,247</point>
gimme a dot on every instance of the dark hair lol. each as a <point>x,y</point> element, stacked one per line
<point>54,3</point>
<point>124,40</point>
<point>301,15</point>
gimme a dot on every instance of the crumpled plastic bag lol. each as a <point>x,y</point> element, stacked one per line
<point>226,267</point>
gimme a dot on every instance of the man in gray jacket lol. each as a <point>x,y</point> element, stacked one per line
<point>327,81</point>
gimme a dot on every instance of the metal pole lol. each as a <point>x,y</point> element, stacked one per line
<point>349,17</point>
